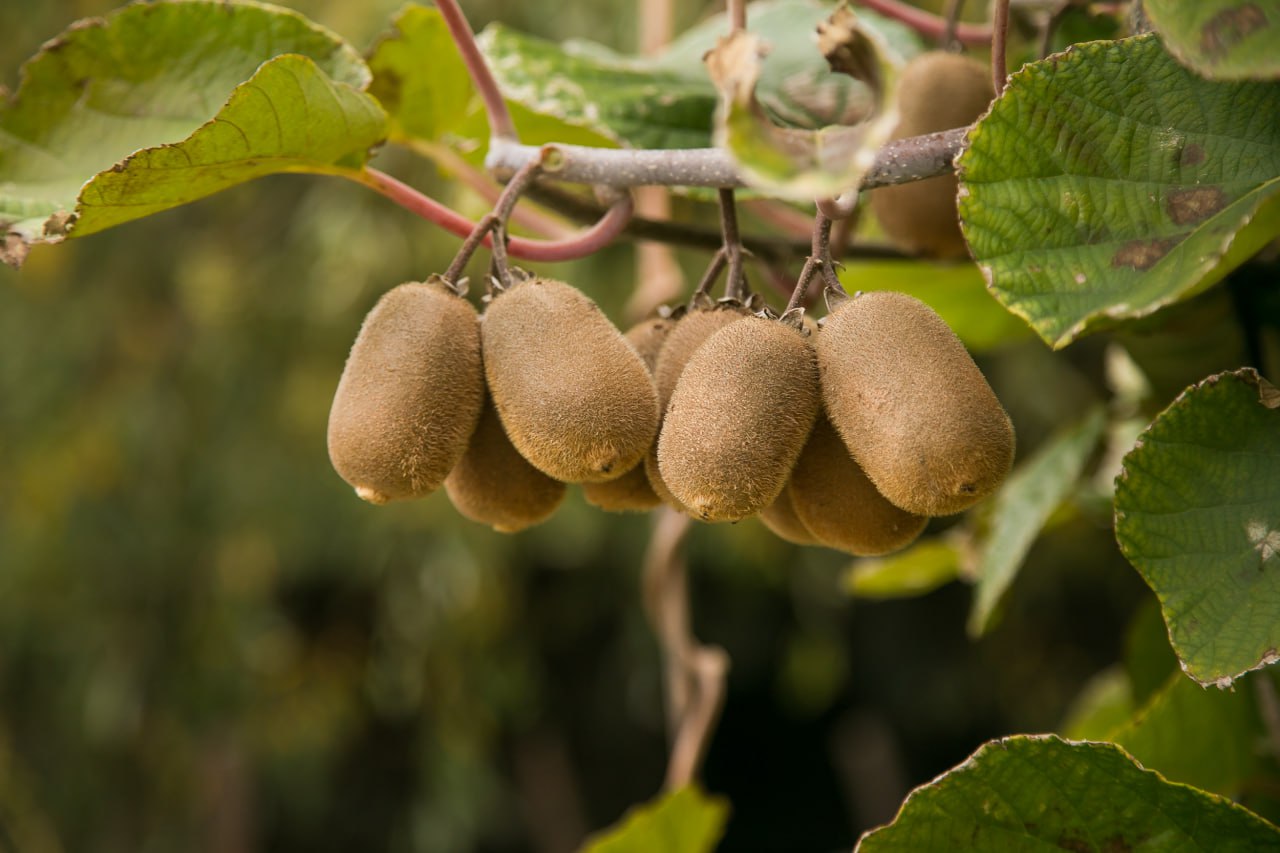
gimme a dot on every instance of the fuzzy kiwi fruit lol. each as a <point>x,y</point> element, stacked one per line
<point>910,404</point>
<point>494,485</point>
<point>410,393</point>
<point>937,91</point>
<point>632,492</point>
<point>781,519</point>
<point>690,332</point>
<point>574,396</point>
<point>839,506</point>
<point>738,418</point>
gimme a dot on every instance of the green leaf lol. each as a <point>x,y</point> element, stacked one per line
<point>147,76</point>
<point>1109,181</point>
<point>956,291</point>
<point>921,568</point>
<point>1032,793</point>
<point>1221,39</point>
<point>1023,505</point>
<point>1198,515</point>
<point>289,117</point>
<point>1102,706</point>
<point>419,77</point>
<point>683,821</point>
<point>580,86</point>
<point>1218,757</point>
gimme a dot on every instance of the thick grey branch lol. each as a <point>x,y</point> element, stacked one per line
<point>899,162</point>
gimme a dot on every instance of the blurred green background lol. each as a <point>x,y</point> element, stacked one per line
<point>208,643</point>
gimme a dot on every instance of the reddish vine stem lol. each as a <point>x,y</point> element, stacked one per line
<point>737,10</point>
<point>500,123</point>
<point>587,242</point>
<point>928,25</point>
<point>502,212</point>
<point>999,33</point>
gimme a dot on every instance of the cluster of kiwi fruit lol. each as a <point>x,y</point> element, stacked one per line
<point>848,435</point>
<point>936,91</point>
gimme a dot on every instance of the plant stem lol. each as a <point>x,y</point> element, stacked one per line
<point>819,261</point>
<point>737,10</point>
<point>928,25</point>
<point>898,162</point>
<point>694,673</point>
<point>500,124</point>
<point>999,34</point>
<point>735,284</point>
<point>951,20</point>
<point>585,243</point>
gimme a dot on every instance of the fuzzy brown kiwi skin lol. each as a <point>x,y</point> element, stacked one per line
<point>574,396</point>
<point>738,418</point>
<point>632,492</point>
<point>910,404</point>
<point>781,519</point>
<point>937,91</point>
<point>690,332</point>
<point>839,506</point>
<point>410,393</point>
<point>494,485</point>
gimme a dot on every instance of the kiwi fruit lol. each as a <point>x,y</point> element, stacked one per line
<point>910,404</point>
<point>937,91</point>
<point>632,492</point>
<point>574,397</point>
<point>738,418</point>
<point>494,485</point>
<point>690,332</point>
<point>838,505</point>
<point>781,519</point>
<point>410,393</point>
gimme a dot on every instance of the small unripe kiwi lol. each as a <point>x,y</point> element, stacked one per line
<point>690,332</point>
<point>839,506</point>
<point>781,519</point>
<point>574,396</point>
<point>937,91</point>
<point>494,485</point>
<point>910,404</point>
<point>410,393</point>
<point>738,417</point>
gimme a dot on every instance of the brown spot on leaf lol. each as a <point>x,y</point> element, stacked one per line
<point>1142,254</point>
<point>1230,27</point>
<point>1074,843</point>
<point>1116,844</point>
<point>1192,155</point>
<point>1194,204</point>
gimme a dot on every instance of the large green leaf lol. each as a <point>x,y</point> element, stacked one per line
<point>1191,734</point>
<point>151,75</point>
<point>289,117</point>
<point>1223,39</point>
<point>683,821</point>
<point>1023,505</point>
<point>1026,794</point>
<point>1198,515</point>
<point>1109,181</point>
<point>639,106</point>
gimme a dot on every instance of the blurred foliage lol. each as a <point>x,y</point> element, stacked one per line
<point>208,643</point>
